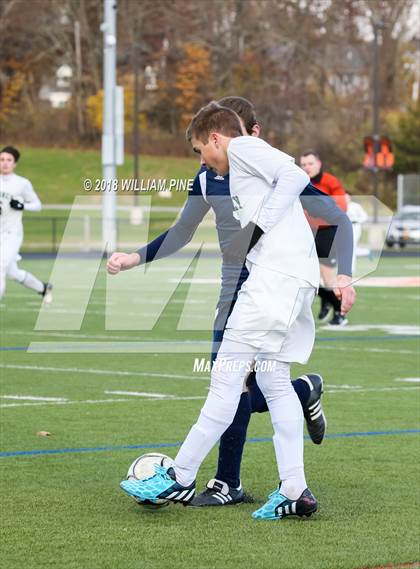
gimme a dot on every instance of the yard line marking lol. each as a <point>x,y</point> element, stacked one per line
<point>371,389</point>
<point>398,336</point>
<point>373,350</point>
<point>5,405</point>
<point>409,379</point>
<point>100,401</point>
<point>68,335</point>
<point>403,329</point>
<point>172,347</point>
<point>196,281</point>
<point>103,371</point>
<point>89,336</point>
<point>318,346</point>
<point>140,394</point>
<point>7,454</point>
<point>101,302</point>
<point>32,306</point>
<point>344,386</point>
<point>33,398</point>
<point>171,398</point>
<point>389,282</point>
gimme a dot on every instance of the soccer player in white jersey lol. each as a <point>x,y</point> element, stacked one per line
<point>358,217</point>
<point>16,195</point>
<point>271,324</point>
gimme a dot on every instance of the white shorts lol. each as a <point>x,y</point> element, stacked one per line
<point>273,314</point>
<point>10,243</point>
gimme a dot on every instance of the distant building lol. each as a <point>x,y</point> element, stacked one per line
<point>59,92</point>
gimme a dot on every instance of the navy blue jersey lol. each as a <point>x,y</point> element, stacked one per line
<point>212,191</point>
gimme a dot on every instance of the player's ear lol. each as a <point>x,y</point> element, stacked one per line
<point>214,138</point>
<point>256,130</point>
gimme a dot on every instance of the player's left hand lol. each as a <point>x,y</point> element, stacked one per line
<point>16,204</point>
<point>122,262</point>
<point>345,292</point>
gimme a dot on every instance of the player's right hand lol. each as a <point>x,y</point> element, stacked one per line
<point>122,262</point>
<point>345,292</point>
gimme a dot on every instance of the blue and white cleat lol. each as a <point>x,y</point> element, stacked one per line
<point>161,486</point>
<point>279,507</point>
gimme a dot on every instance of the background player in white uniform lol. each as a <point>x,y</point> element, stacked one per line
<point>265,327</point>
<point>16,194</point>
<point>357,216</point>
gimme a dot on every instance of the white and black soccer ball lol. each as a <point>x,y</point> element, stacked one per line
<point>144,467</point>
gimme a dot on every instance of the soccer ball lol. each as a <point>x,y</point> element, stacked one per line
<point>144,467</point>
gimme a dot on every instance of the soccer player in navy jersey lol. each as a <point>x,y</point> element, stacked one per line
<point>211,191</point>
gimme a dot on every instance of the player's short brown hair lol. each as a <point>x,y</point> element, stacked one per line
<point>311,152</point>
<point>243,108</point>
<point>214,118</point>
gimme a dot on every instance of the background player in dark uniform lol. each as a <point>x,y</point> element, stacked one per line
<point>211,191</point>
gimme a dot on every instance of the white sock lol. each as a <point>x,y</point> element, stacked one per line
<point>289,456</point>
<point>33,283</point>
<point>217,414</point>
<point>198,443</point>
<point>287,418</point>
<point>25,278</point>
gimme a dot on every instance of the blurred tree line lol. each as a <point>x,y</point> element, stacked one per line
<point>306,64</point>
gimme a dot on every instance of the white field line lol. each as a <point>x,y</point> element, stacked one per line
<point>408,379</point>
<point>372,389</point>
<point>200,281</point>
<point>100,401</point>
<point>402,329</point>
<point>52,310</point>
<point>371,350</point>
<point>103,372</point>
<point>34,398</point>
<point>95,336</point>
<point>345,388</point>
<point>318,346</point>
<point>193,397</point>
<point>140,394</point>
<point>102,303</point>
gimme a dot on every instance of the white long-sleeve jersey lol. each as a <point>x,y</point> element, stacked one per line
<point>18,188</point>
<point>265,185</point>
<point>356,213</point>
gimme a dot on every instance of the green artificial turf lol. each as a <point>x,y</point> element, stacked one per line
<point>66,509</point>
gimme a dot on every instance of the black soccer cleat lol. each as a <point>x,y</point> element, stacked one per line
<point>325,312</point>
<point>338,320</point>
<point>218,493</point>
<point>316,422</point>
